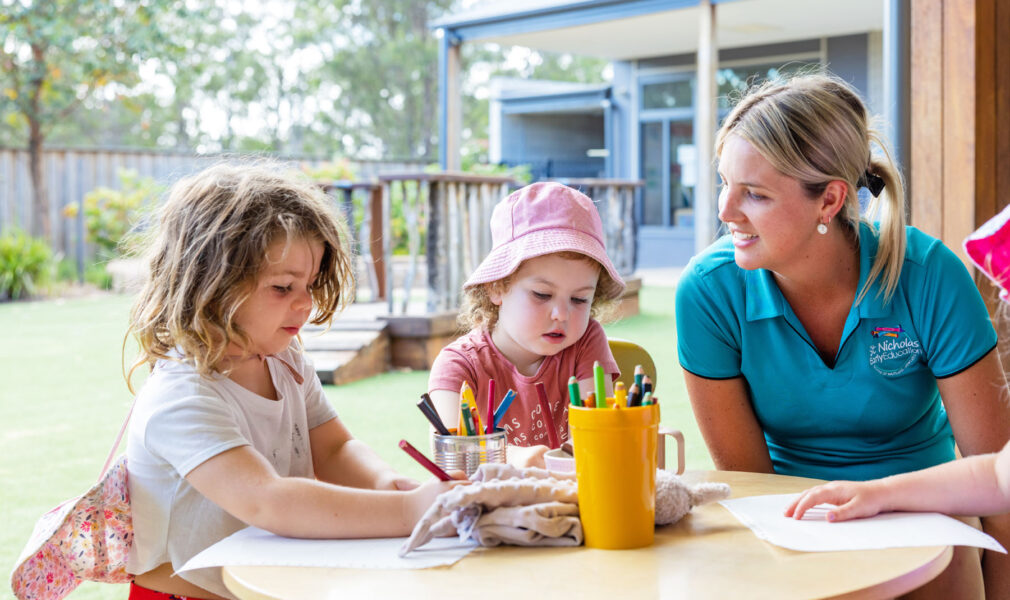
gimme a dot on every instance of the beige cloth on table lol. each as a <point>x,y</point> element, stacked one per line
<point>536,507</point>
<point>505,505</point>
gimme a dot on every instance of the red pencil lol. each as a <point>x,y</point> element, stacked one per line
<point>490,407</point>
<point>423,461</point>
<point>545,408</point>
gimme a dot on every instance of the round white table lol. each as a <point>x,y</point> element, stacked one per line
<point>707,554</point>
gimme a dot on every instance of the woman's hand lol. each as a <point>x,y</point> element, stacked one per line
<point>853,500</point>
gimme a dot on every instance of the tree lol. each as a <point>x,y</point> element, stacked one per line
<point>320,77</point>
<point>57,54</point>
<point>379,75</point>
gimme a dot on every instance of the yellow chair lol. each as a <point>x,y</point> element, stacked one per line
<point>628,354</point>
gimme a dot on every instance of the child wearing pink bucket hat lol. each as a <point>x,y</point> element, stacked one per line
<point>976,485</point>
<point>532,307</point>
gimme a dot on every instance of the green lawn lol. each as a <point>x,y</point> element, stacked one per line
<point>63,397</point>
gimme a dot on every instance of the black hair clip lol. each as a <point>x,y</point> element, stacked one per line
<point>872,182</point>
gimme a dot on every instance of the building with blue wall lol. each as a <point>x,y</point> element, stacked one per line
<point>643,125</point>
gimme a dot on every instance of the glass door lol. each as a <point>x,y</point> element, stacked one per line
<point>668,170</point>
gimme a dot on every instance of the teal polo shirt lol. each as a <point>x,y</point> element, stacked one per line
<point>877,410</point>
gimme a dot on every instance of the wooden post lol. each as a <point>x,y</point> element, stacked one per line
<point>960,171</point>
<point>705,200</point>
<point>454,108</point>
<point>386,243</point>
<point>434,247</point>
<point>375,243</point>
<point>960,138</point>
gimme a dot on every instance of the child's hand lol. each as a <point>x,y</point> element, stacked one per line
<point>853,500</point>
<point>528,456</point>
<point>421,497</point>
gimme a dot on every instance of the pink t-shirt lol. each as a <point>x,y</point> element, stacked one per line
<point>475,359</point>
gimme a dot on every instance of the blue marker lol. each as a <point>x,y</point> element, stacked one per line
<point>504,406</point>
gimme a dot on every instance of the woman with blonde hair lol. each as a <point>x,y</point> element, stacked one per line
<point>820,342</point>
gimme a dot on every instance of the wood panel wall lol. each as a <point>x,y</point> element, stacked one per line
<point>960,124</point>
<point>960,127</point>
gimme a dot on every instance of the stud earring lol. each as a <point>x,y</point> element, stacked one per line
<point>822,228</point>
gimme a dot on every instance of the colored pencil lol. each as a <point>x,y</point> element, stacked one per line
<point>424,462</point>
<point>467,393</point>
<point>427,400</point>
<point>545,408</point>
<point>574,394</point>
<point>433,418</point>
<point>634,395</point>
<point>489,415</point>
<point>590,401</point>
<point>468,421</point>
<point>639,376</point>
<point>646,384</point>
<point>600,387</point>
<point>503,407</point>
<point>620,394</point>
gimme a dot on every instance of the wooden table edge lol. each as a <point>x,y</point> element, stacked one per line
<point>241,589</point>
<point>906,583</point>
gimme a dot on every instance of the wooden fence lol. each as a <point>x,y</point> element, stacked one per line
<point>453,211</point>
<point>70,174</point>
<point>444,217</point>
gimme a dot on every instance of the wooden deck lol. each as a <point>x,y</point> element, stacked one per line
<point>365,340</point>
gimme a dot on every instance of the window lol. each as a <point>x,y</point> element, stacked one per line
<point>668,94</point>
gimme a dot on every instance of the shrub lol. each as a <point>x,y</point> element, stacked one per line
<point>26,264</point>
<point>109,214</point>
<point>339,169</point>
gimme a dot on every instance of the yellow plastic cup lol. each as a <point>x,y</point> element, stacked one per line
<point>615,465</point>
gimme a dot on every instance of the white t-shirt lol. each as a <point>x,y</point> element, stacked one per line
<point>182,419</point>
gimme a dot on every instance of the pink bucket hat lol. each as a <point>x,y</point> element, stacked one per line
<point>544,218</point>
<point>989,249</point>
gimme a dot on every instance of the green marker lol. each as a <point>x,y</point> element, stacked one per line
<point>600,387</point>
<point>573,391</point>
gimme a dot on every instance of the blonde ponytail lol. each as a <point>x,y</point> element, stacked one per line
<point>888,210</point>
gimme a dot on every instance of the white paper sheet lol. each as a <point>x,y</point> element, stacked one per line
<point>764,516</point>
<point>252,546</point>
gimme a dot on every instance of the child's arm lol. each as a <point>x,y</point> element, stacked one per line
<point>339,458</point>
<point>977,485</point>
<point>447,406</point>
<point>243,483</point>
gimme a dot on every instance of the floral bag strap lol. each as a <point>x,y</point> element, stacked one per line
<point>119,438</point>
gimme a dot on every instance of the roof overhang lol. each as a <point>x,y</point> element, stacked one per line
<point>546,97</point>
<point>631,29</point>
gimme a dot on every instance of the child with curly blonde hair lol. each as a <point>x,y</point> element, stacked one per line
<point>232,427</point>
<point>531,307</point>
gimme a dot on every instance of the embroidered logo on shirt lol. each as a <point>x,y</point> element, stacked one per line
<point>892,350</point>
